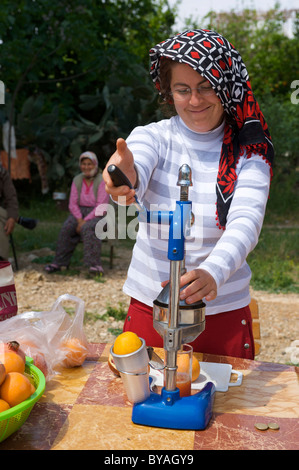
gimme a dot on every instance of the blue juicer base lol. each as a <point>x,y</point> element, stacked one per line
<point>169,410</point>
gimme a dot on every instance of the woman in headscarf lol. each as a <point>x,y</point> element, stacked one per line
<point>220,132</point>
<point>87,193</point>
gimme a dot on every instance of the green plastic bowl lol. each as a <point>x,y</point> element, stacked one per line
<point>12,419</point>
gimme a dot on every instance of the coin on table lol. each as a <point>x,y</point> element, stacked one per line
<point>261,426</point>
<point>273,426</point>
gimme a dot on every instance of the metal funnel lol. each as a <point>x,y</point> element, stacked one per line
<point>191,317</point>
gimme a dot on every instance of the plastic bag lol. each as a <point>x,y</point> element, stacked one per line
<point>70,339</point>
<point>53,338</point>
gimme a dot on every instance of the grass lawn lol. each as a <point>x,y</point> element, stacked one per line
<point>274,262</point>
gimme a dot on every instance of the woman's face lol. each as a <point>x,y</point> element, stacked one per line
<point>87,167</point>
<point>201,112</point>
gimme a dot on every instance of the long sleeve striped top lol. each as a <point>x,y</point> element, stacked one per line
<point>159,150</point>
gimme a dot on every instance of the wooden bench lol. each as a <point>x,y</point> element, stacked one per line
<point>255,325</point>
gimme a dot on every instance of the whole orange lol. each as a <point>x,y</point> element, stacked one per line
<point>15,388</point>
<point>4,406</point>
<point>12,362</point>
<point>2,373</point>
<point>75,352</point>
<point>183,365</point>
<point>126,343</point>
<point>195,368</point>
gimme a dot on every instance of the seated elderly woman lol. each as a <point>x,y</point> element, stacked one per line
<point>87,192</point>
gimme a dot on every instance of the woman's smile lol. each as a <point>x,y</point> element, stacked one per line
<point>201,112</point>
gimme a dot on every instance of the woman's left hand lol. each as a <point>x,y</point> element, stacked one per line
<point>79,225</point>
<point>200,284</point>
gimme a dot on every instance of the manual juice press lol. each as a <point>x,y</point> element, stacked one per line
<point>177,322</point>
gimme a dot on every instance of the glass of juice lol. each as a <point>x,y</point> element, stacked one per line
<point>184,370</point>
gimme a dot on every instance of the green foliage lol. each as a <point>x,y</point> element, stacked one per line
<point>76,77</point>
<point>283,200</point>
<point>282,117</point>
<point>60,51</point>
<point>272,60</point>
<point>113,112</point>
<point>275,260</point>
<point>68,47</point>
<point>119,313</point>
<point>271,56</point>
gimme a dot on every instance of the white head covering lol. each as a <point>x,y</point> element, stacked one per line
<point>91,156</point>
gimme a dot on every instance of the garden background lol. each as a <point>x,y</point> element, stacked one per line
<point>76,78</point>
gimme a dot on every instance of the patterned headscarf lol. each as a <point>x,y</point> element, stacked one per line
<point>213,57</point>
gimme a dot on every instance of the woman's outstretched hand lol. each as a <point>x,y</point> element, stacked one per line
<point>124,160</point>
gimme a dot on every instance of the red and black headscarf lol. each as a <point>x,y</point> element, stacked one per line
<point>216,59</point>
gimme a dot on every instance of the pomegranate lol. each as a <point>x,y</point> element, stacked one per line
<point>13,346</point>
<point>40,362</point>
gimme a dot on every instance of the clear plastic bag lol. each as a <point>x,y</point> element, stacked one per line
<point>53,338</point>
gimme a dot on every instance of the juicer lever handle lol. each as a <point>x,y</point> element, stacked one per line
<point>118,177</point>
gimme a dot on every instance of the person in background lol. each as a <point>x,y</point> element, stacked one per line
<point>9,211</point>
<point>87,192</point>
<point>218,129</point>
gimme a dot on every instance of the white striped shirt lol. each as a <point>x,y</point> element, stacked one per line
<point>159,150</point>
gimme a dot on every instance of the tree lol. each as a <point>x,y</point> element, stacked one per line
<point>271,56</point>
<point>272,60</point>
<point>68,48</point>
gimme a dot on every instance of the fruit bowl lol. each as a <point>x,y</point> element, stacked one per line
<point>12,419</point>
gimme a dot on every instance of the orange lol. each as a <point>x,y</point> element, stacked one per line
<point>75,352</point>
<point>4,406</point>
<point>195,368</point>
<point>15,388</point>
<point>183,365</point>
<point>12,362</point>
<point>126,343</point>
<point>2,373</point>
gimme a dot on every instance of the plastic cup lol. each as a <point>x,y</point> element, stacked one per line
<point>134,371</point>
<point>184,377</point>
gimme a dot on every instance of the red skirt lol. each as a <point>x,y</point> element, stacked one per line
<point>225,334</point>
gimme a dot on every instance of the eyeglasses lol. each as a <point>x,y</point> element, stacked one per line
<point>183,94</point>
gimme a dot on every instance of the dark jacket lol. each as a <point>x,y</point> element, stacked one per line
<point>8,195</point>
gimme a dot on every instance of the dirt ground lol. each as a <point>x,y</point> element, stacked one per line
<point>37,291</point>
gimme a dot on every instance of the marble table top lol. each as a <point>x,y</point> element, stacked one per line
<point>86,408</point>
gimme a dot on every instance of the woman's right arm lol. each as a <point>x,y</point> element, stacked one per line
<point>73,203</point>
